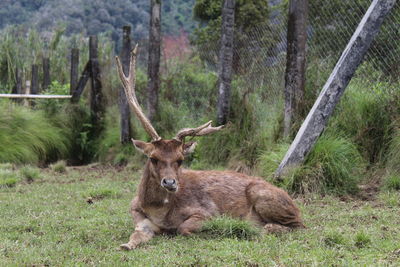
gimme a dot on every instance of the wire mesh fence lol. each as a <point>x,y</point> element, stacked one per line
<point>260,54</point>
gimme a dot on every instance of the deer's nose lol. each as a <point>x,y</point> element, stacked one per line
<point>169,184</point>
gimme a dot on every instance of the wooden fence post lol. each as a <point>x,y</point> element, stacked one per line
<point>46,73</point>
<point>27,92</point>
<point>85,76</point>
<point>35,80</point>
<point>125,134</point>
<point>17,89</point>
<point>74,70</point>
<point>333,89</point>
<point>18,82</point>
<point>96,96</point>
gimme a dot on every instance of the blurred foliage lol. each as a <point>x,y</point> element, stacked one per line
<point>95,17</point>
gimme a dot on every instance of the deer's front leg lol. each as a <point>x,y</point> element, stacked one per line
<point>144,231</point>
<point>192,224</point>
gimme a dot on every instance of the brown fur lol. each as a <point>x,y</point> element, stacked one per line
<point>201,195</point>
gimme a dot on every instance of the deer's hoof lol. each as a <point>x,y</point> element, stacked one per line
<point>125,247</point>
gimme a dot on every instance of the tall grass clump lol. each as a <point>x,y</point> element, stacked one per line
<point>333,166</point>
<point>8,178</point>
<point>226,227</point>
<point>29,173</point>
<point>27,136</point>
<point>270,159</point>
<point>363,117</point>
<point>59,166</point>
<point>393,155</point>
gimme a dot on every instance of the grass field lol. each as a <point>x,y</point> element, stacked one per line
<point>48,221</point>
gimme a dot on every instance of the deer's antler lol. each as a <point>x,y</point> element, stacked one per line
<point>199,131</point>
<point>129,88</point>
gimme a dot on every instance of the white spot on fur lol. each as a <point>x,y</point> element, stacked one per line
<point>145,225</point>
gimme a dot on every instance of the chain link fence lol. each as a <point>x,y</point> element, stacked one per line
<point>260,54</point>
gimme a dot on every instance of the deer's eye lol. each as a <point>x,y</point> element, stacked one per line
<point>179,162</point>
<point>154,160</point>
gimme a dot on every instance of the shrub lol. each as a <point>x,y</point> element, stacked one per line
<point>226,227</point>
<point>59,166</point>
<point>29,173</point>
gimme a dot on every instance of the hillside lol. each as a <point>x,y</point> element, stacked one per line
<point>93,17</point>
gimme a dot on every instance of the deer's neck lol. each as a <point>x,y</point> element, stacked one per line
<point>150,192</point>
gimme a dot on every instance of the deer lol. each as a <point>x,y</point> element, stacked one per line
<point>170,198</point>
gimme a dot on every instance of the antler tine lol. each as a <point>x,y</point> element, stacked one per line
<point>129,88</point>
<point>199,131</point>
<point>132,67</point>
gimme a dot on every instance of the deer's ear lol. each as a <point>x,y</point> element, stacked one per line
<point>145,148</point>
<point>188,148</point>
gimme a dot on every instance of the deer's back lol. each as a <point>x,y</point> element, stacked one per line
<point>224,192</point>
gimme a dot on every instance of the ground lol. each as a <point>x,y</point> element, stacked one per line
<point>81,217</point>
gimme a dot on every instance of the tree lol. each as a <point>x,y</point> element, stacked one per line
<point>153,71</point>
<point>295,61</point>
<point>225,61</point>
<point>249,15</point>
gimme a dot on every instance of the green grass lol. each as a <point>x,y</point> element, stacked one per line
<point>392,181</point>
<point>8,178</point>
<point>29,173</point>
<point>59,166</point>
<point>49,222</point>
<point>225,227</point>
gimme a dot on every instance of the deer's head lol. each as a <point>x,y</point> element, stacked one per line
<point>165,156</point>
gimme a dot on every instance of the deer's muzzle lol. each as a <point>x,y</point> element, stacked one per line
<point>169,184</point>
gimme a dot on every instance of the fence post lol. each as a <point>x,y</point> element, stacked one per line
<point>85,76</point>
<point>333,89</point>
<point>34,80</point>
<point>125,134</point>
<point>153,71</point>
<point>27,92</point>
<point>74,70</point>
<point>46,73</point>
<point>17,89</point>
<point>96,96</point>
<point>295,61</point>
<point>225,61</point>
